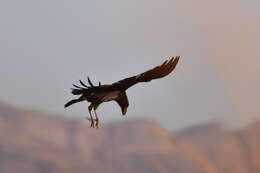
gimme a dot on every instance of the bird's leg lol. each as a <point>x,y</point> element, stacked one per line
<point>96,120</point>
<point>91,117</point>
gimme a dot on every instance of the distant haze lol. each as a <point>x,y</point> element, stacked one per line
<point>45,46</point>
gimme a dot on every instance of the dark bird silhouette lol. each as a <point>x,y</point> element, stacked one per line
<point>117,91</point>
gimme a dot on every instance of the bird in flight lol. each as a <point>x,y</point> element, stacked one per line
<point>117,91</point>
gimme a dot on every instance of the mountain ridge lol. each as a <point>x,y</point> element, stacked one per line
<point>36,142</point>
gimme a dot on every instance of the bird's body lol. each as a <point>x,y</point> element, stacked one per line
<point>110,96</point>
<point>117,91</point>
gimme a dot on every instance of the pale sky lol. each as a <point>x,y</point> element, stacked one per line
<point>45,46</point>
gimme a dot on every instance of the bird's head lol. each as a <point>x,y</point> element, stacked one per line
<point>124,109</point>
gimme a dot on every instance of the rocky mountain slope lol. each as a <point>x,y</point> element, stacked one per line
<point>34,142</point>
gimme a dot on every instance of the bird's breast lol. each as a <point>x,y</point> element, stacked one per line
<point>111,96</point>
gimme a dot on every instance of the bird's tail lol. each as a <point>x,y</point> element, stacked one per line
<point>72,102</point>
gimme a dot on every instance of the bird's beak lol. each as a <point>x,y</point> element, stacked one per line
<point>124,109</point>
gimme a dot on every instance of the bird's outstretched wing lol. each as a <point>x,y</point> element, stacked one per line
<point>158,72</point>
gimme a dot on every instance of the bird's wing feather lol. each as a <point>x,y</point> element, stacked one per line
<point>158,72</point>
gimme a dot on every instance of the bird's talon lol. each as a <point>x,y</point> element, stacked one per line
<point>92,124</point>
<point>97,124</point>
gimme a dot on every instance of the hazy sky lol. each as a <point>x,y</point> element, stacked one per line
<point>45,46</point>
